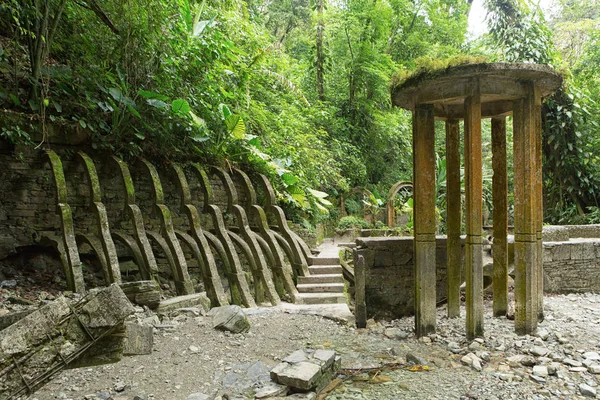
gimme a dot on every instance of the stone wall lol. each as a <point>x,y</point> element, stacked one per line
<point>572,267</point>
<point>28,202</point>
<point>389,274</point>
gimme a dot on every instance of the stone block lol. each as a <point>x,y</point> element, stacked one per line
<point>191,300</point>
<point>561,253</point>
<point>302,375</point>
<point>555,233</point>
<point>307,369</point>
<point>230,318</point>
<point>139,339</point>
<point>143,293</point>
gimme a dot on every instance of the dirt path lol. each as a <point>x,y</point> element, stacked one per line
<point>190,357</point>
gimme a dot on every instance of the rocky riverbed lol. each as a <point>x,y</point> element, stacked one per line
<point>191,360</point>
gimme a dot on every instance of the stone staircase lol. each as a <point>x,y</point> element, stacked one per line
<point>325,285</point>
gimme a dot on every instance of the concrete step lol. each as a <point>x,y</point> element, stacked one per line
<point>323,260</point>
<point>320,287</point>
<point>325,269</point>
<point>323,278</point>
<point>321,298</point>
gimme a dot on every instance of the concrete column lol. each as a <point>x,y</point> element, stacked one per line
<point>540,206</point>
<point>453,217</point>
<point>424,218</point>
<point>500,200</point>
<point>473,217</point>
<point>360,306</point>
<point>526,213</point>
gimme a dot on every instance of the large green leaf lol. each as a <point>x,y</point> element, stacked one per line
<point>289,179</point>
<point>180,106</point>
<point>235,126</point>
<point>152,95</point>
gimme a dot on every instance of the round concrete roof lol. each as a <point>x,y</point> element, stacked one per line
<point>498,84</point>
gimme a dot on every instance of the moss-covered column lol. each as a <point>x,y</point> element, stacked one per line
<point>453,219</point>
<point>500,200</point>
<point>526,212</point>
<point>424,217</point>
<point>473,193</point>
<point>540,206</point>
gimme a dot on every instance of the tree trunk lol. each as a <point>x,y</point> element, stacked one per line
<point>320,57</point>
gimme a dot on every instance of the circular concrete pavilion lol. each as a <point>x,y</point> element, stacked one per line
<point>469,93</point>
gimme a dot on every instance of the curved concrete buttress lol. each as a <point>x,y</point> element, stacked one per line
<point>210,275</point>
<point>130,242</point>
<point>183,282</point>
<point>134,212</point>
<point>68,244</point>
<point>299,261</point>
<point>102,226</point>
<point>260,270</point>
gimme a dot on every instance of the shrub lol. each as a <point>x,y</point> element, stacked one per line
<point>353,222</point>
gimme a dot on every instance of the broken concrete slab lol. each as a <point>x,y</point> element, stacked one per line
<point>190,300</point>
<point>302,375</point>
<point>38,346</point>
<point>10,318</point>
<point>307,369</point>
<point>230,318</point>
<point>139,339</point>
<point>143,293</point>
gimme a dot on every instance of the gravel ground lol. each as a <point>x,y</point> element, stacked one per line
<point>190,357</point>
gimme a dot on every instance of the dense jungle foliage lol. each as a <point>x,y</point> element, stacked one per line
<point>296,89</point>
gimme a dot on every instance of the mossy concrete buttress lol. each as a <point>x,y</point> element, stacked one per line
<point>108,249</point>
<point>200,245</point>
<point>260,270</point>
<point>134,212</point>
<point>72,267</point>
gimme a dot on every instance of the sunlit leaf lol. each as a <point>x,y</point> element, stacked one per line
<point>289,179</point>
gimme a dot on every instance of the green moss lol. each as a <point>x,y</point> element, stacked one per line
<point>428,68</point>
<point>59,176</point>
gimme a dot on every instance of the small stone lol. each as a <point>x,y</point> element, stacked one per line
<point>594,369</point>
<point>270,389</point>
<point>506,377</point>
<point>528,361</point>
<point>540,370</point>
<point>515,361</point>
<point>230,318</point>
<point>577,369</point>
<point>484,355</point>
<point>572,363</point>
<point>475,345</point>
<point>538,379</point>
<point>396,333</point>
<point>198,396</point>
<point>542,334</point>
<point>425,339</point>
<point>587,390</point>
<point>591,355</point>
<point>119,387</point>
<point>539,351</point>
<point>415,359</point>
<point>194,349</point>
<point>8,284</point>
